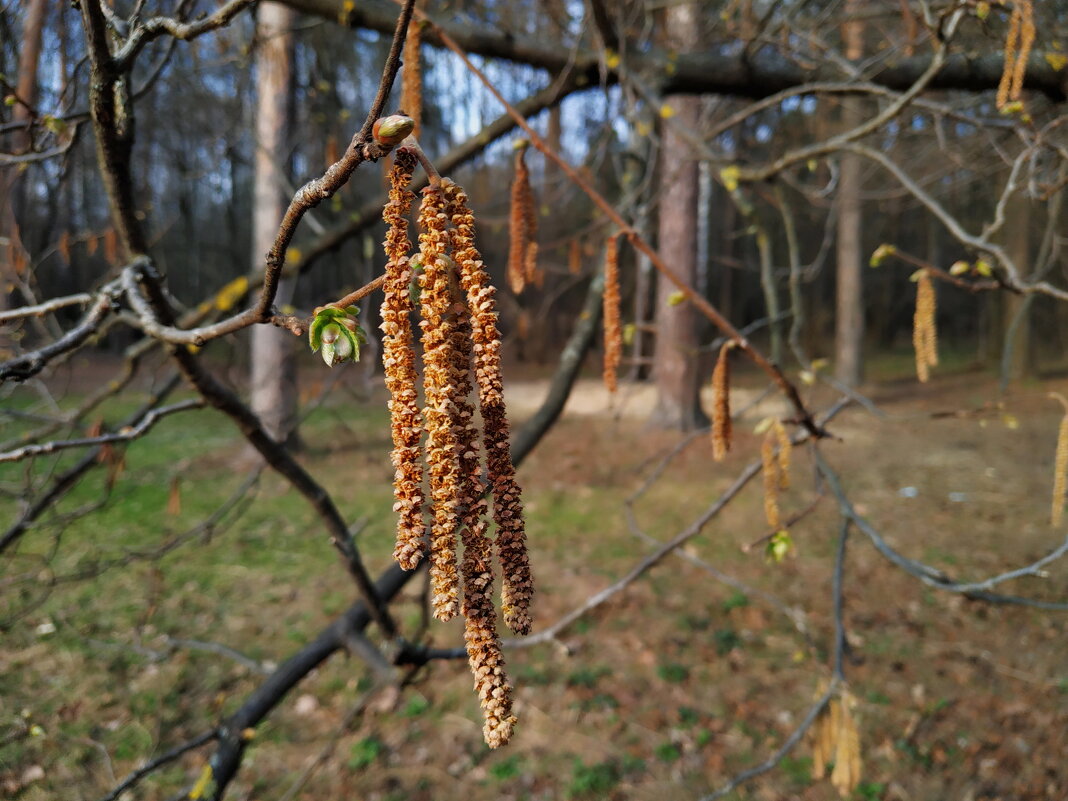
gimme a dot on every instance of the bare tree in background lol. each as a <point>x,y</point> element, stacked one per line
<point>19,141</point>
<point>273,355</point>
<point>676,371</point>
<point>849,245</point>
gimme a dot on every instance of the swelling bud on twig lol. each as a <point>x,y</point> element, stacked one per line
<point>336,335</point>
<point>392,130</point>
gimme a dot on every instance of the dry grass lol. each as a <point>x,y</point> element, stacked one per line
<point>666,690</point>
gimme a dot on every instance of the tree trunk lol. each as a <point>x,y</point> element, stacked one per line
<point>19,142</point>
<point>274,379</point>
<point>675,358</point>
<point>1015,318</point>
<point>849,301</point>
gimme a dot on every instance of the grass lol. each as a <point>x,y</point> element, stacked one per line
<point>698,678</point>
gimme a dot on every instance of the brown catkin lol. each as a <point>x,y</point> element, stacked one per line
<point>531,272</point>
<point>574,257</point>
<point>517,587</point>
<point>411,101</point>
<point>439,391</point>
<point>64,247</point>
<point>772,480</point>
<point>522,263</point>
<point>924,330</point>
<point>613,329</point>
<point>111,246</point>
<point>722,428</point>
<point>398,359</point>
<point>476,569</point>
<point>1060,473</point>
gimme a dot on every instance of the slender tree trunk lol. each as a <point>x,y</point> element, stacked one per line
<point>849,305</point>
<point>675,359</point>
<point>18,142</point>
<point>1015,318</point>
<point>274,379</point>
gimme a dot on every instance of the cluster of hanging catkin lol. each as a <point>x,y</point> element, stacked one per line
<point>924,331</point>
<point>1018,44</point>
<point>459,333</point>
<point>836,738</point>
<point>523,228</point>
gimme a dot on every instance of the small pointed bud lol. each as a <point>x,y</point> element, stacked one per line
<point>330,334</point>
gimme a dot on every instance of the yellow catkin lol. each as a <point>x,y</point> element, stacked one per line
<point>399,361</point>
<point>1060,473</point>
<point>517,587</point>
<point>439,389</point>
<point>1005,84</point>
<point>786,449</point>
<point>924,330</point>
<point>1027,41</point>
<point>522,251</point>
<point>824,739</point>
<point>411,101</point>
<point>847,766</point>
<point>574,257</point>
<point>772,481</point>
<point>1018,44</point>
<point>613,329</point>
<point>722,428</point>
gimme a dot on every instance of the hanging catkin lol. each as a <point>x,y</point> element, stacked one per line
<point>438,392</point>
<point>516,582</point>
<point>924,330</point>
<point>722,428</point>
<point>847,767</point>
<point>399,361</point>
<point>480,616</point>
<point>772,480</point>
<point>613,329</point>
<point>1060,466</point>
<point>1018,43</point>
<point>523,227</point>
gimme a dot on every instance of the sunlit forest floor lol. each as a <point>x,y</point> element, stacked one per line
<point>663,693</point>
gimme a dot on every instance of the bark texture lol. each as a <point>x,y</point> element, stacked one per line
<point>273,355</point>
<point>849,299</point>
<point>675,363</point>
